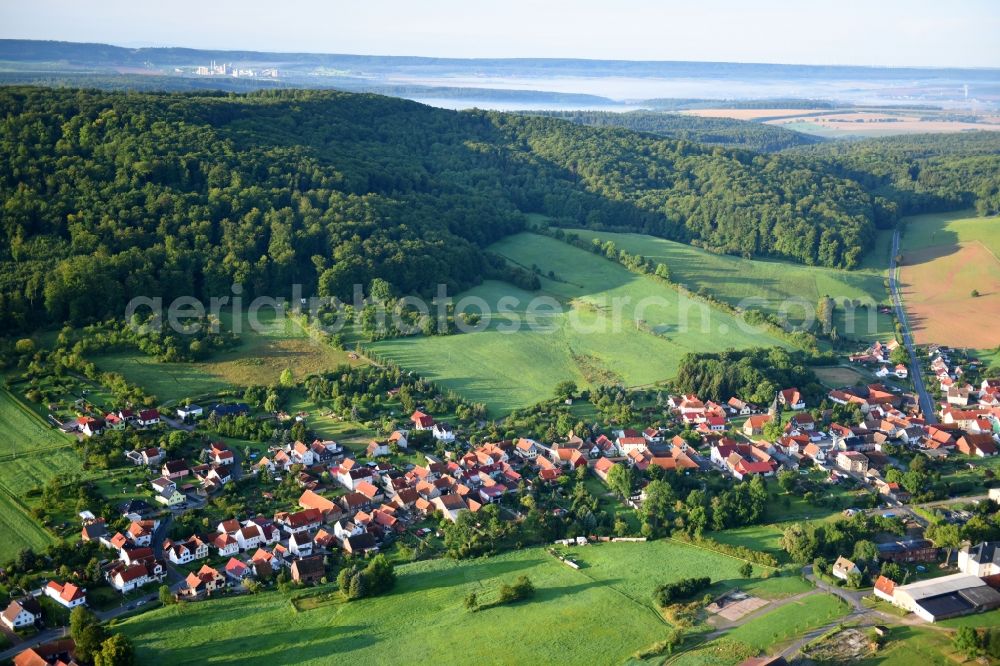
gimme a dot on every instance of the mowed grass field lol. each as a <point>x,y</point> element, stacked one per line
<point>599,323</point>
<point>260,357</point>
<point>31,453</point>
<point>600,614</point>
<point>19,529</point>
<point>946,257</point>
<point>767,285</point>
<point>837,376</point>
<point>23,430</point>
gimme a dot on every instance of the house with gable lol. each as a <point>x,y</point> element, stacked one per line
<point>66,594</point>
<point>791,398</point>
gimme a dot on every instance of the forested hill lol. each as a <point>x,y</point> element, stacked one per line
<point>918,173</point>
<point>716,131</point>
<point>110,195</point>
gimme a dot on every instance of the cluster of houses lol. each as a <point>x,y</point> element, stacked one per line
<point>135,564</point>
<point>972,590</point>
<point>879,354</point>
<point>256,547</point>
<point>179,480</point>
<point>91,426</point>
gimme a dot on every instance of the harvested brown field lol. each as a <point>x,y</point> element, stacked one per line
<point>861,122</point>
<point>854,122</point>
<point>937,285</point>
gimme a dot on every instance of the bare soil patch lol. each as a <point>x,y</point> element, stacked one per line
<point>733,606</point>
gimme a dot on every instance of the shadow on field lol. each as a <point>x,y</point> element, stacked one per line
<point>275,649</point>
<point>468,574</point>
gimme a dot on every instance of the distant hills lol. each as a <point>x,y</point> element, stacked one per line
<point>496,83</point>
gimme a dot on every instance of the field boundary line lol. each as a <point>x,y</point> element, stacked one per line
<point>719,552</point>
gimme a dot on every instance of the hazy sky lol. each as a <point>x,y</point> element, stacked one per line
<point>860,32</point>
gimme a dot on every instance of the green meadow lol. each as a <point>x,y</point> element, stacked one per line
<point>31,453</point>
<point>24,430</point>
<point>259,358</point>
<point>764,284</point>
<point>964,226</point>
<point>599,323</point>
<point>601,613</point>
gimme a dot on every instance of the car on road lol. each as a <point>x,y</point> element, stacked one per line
<point>140,602</point>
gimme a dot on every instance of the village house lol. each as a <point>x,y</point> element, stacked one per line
<point>127,577</point>
<point>602,468</point>
<point>113,422</point>
<point>90,426</point>
<point>312,500</point>
<point>398,437</point>
<point>979,445</point>
<point>443,432</point>
<point>791,399</point>
<point>852,461</point>
<point>21,613</point>
<point>249,537</point>
<point>741,408</point>
<point>526,448</point>
<point>982,559</point>
<point>605,447</point>
<point>225,544</point>
<point>626,442</point>
<point>148,418</point>
<point>189,412</point>
<point>754,425</point>
<point>843,568</point>
<point>94,530</point>
<point>203,583</point>
<point>308,569</point>
<point>376,449</point>
<point>237,571</point>
<point>803,421</point>
<point>450,506</point>
<point>300,544</point>
<point>421,421</point>
<point>221,455</point>
<point>907,550</point>
<point>175,469</point>
<point>743,460</point>
<point>68,594</point>
<point>306,520</point>
<point>959,395</point>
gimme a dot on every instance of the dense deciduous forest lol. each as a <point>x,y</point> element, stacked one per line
<point>109,195</point>
<point>726,132</point>
<point>918,174</point>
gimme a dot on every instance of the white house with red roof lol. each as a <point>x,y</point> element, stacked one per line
<point>90,426</point>
<point>68,594</point>
<point>791,398</point>
<point>221,454</point>
<point>148,417</point>
<point>526,448</point>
